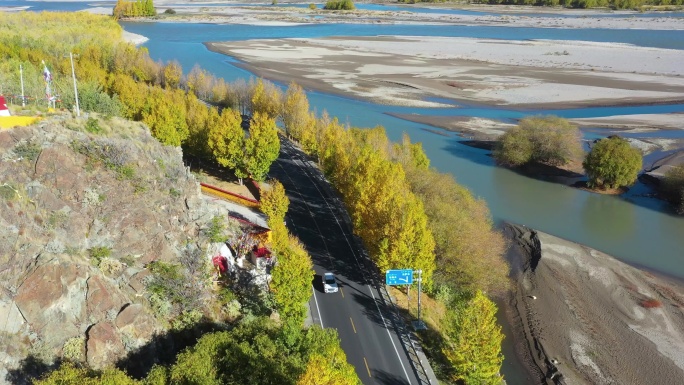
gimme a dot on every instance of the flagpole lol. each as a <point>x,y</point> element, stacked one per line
<point>46,78</point>
<point>73,75</point>
<point>21,76</point>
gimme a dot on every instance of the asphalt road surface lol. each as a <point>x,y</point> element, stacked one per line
<point>357,310</point>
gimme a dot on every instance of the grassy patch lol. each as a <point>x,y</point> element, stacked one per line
<point>97,254</point>
<point>8,192</point>
<point>93,126</point>
<point>27,150</point>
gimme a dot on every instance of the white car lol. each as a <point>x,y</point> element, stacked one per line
<point>329,283</point>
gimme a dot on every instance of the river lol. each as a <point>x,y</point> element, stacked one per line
<point>633,228</point>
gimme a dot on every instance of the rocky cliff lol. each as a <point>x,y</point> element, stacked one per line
<point>85,205</point>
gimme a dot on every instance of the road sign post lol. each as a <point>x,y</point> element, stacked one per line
<point>419,325</point>
<point>405,277</point>
<point>399,277</point>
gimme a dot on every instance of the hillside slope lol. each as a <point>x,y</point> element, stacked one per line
<point>84,207</point>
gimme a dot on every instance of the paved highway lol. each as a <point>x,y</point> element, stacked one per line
<point>357,310</point>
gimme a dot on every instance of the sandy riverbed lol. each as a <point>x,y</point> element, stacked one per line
<point>409,70</point>
<point>197,12</point>
<point>587,318</point>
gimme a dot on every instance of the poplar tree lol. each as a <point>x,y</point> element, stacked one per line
<point>164,113</point>
<point>274,202</point>
<point>199,118</point>
<point>295,111</point>
<point>266,99</point>
<point>291,282</point>
<point>172,74</point>
<point>474,345</point>
<point>262,147</point>
<point>226,141</point>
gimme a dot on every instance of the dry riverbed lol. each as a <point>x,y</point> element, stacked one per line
<point>582,317</point>
<point>410,70</point>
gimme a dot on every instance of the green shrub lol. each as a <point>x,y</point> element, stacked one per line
<point>74,349</point>
<point>126,172</point>
<point>170,11</point>
<point>28,150</point>
<point>336,5</point>
<point>612,163</point>
<point>161,307</point>
<point>97,254</point>
<point>312,6</point>
<point>216,229</point>
<point>8,192</point>
<point>673,187</point>
<point>186,320</point>
<point>93,126</point>
<point>542,139</point>
<point>93,98</point>
<point>129,260</point>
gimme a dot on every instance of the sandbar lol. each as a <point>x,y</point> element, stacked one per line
<point>412,71</point>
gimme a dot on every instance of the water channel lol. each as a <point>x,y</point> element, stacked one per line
<point>634,229</point>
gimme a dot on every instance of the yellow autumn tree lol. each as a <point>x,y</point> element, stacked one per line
<point>200,82</point>
<point>295,111</point>
<point>266,99</point>
<point>164,113</point>
<point>274,202</point>
<point>262,147</point>
<point>327,370</point>
<point>172,74</point>
<point>226,141</point>
<point>199,118</point>
<point>291,282</point>
<point>474,344</point>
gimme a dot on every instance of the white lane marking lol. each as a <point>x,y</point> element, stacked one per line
<point>390,335</point>
<point>320,319</point>
<point>353,251</point>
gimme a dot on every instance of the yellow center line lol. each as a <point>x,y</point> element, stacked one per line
<point>364,360</point>
<point>352,322</point>
<point>342,292</point>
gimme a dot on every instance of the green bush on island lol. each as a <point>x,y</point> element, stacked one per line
<point>339,5</point>
<point>673,187</point>
<point>543,139</point>
<point>312,6</point>
<point>612,163</point>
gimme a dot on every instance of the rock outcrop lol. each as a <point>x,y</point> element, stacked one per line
<point>81,215</point>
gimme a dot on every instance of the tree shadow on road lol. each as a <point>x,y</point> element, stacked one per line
<point>385,378</point>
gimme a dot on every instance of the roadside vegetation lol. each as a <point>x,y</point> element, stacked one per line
<point>254,352</point>
<point>407,214</point>
<point>614,4</point>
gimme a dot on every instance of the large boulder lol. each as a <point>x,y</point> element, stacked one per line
<point>103,345</point>
<point>136,325</point>
<point>55,294</point>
